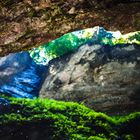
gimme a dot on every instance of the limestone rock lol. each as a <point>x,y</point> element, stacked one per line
<point>104,78</point>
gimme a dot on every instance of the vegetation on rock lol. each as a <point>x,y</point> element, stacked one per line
<point>73,40</point>
<point>55,120</point>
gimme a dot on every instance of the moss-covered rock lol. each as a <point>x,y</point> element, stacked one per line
<point>54,120</point>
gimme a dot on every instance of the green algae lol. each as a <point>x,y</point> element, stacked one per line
<point>73,40</point>
<point>68,120</point>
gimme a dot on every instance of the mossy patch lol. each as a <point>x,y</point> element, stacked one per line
<point>64,120</point>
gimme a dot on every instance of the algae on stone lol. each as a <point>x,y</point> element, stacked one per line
<point>71,41</point>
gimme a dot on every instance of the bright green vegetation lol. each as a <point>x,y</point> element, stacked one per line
<point>73,40</point>
<point>57,120</point>
<point>63,45</point>
<point>131,38</point>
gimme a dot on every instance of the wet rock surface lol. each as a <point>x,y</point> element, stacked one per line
<point>104,78</point>
<point>20,76</point>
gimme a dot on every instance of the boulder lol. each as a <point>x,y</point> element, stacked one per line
<point>104,78</point>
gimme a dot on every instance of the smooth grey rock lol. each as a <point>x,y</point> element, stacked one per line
<point>104,78</point>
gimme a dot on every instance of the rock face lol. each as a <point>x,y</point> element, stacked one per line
<point>104,78</point>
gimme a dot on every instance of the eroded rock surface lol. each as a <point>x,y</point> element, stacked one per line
<point>104,78</point>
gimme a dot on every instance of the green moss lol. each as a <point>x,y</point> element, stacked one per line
<point>66,120</point>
